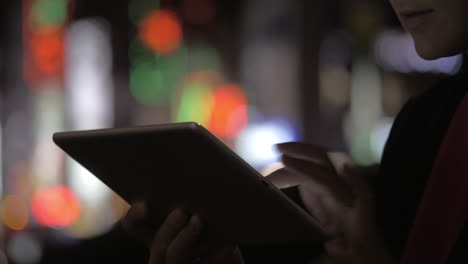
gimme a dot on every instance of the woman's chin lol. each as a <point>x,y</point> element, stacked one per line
<point>429,53</point>
<point>433,52</point>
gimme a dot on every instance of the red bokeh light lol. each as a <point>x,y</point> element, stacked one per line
<point>47,52</point>
<point>229,114</point>
<point>56,207</point>
<point>161,31</point>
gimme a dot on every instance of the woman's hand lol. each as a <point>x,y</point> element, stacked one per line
<point>338,198</point>
<point>177,240</point>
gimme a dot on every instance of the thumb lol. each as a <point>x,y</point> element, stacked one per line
<point>283,178</point>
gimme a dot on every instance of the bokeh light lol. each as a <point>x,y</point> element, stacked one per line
<point>55,207</point>
<point>379,137</point>
<point>49,12</point>
<point>204,57</point>
<point>153,80</point>
<point>14,212</point>
<point>90,93</point>
<point>94,220</point>
<point>365,110</point>
<point>43,35</point>
<point>395,51</point>
<point>256,144</point>
<point>229,112</point>
<point>195,102</point>
<point>161,31</point>
<point>199,12</point>
<point>24,248</point>
<point>47,52</point>
<point>220,107</point>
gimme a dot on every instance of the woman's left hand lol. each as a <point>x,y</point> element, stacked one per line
<point>339,199</point>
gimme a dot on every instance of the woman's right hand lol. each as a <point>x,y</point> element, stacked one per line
<point>176,241</point>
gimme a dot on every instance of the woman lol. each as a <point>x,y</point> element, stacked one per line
<point>369,223</point>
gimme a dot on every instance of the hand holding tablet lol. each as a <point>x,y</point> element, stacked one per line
<point>184,166</point>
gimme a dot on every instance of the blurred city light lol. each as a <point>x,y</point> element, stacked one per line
<point>161,31</point>
<point>256,144</point>
<point>48,118</point>
<point>335,81</point>
<point>199,12</point>
<point>366,109</point>
<point>154,79</point>
<point>206,99</point>
<point>334,77</point>
<point>229,113</point>
<point>88,78</point>
<point>379,137</point>
<point>49,12</point>
<point>196,99</point>
<point>203,56</point>
<point>97,219</point>
<point>396,51</point>
<point>55,207</point>
<point>14,212</point>
<point>24,248</point>
<point>43,35</point>
<point>90,97</point>
<point>19,180</point>
<point>47,51</point>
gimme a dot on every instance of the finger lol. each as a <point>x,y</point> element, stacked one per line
<point>339,160</point>
<point>314,205</point>
<point>283,178</point>
<point>360,187</point>
<point>182,248</point>
<point>136,224</point>
<point>329,182</point>
<point>176,220</point>
<point>306,152</point>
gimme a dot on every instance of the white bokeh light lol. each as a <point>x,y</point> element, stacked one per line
<point>379,137</point>
<point>396,51</point>
<point>89,95</point>
<point>256,144</point>
<point>24,248</point>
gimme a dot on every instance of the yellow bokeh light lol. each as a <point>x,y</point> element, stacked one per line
<point>14,212</point>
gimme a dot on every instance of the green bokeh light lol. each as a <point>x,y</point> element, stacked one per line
<point>154,79</point>
<point>195,103</point>
<point>204,56</point>
<point>49,12</point>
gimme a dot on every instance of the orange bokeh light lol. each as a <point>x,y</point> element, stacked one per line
<point>14,212</point>
<point>229,113</point>
<point>47,52</point>
<point>161,31</point>
<point>56,207</point>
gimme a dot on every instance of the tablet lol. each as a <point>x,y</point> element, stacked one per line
<point>184,165</point>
